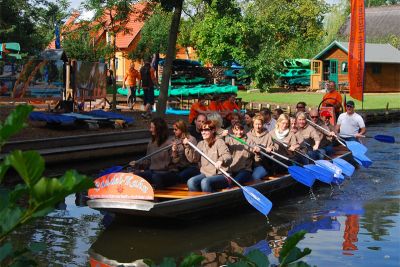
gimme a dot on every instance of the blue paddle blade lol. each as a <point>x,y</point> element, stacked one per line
<point>336,170</point>
<point>364,160</point>
<point>302,175</point>
<point>347,168</point>
<point>385,138</point>
<point>320,173</point>
<point>111,170</point>
<point>257,200</point>
<point>356,147</point>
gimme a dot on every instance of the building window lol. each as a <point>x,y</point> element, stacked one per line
<point>316,67</point>
<point>376,68</point>
<point>344,67</point>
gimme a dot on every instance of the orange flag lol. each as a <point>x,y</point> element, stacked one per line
<point>357,49</point>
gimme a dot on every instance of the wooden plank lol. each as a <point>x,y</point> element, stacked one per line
<point>177,194</point>
<point>182,187</point>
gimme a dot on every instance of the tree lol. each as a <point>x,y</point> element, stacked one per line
<point>30,23</point>
<point>176,5</point>
<point>218,36</point>
<point>80,45</point>
<point>276,30</point>
<point>154,35</point>
<point>112,17</point>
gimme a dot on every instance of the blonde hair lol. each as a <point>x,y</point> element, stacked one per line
<point>216,118</point>
<point>282,117</point>
<point>259,118</point>
<point>301,115</point>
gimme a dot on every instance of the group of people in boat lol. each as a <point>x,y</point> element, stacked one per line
<point>240,147</point>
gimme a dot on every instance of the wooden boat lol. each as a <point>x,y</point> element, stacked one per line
<point>177,202</point>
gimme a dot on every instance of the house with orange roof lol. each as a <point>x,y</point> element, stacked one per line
<point>126,41</point>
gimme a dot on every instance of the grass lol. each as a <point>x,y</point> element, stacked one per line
<point>372,101</point>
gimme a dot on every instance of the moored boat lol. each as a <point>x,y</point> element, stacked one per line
<point>177,202</point>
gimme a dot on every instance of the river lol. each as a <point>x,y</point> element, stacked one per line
<point>355,225</point>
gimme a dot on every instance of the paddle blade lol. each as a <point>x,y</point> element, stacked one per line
<point>302,175</point>
<point>347,168</point>
<point>356,147</point>
<point>321,174</point>
<point>364,160</point>
<point>111,170</point>
<point>336,170</point>
<point>385,138</point>
<point>257,200</point>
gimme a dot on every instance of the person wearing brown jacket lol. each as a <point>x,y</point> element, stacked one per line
<point>311,136</point>
<point>186,169</point>
<point>258,136</point>
<point>157,170</point>
<point>242,157</point>
<point>210,178</point>
<point>284,140</point>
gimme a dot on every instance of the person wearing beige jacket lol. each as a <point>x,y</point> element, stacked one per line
<point>186,169</point>
<point>210,178</point>
<point>242,157</point>
<point>259,136</point>
<point>157,170</point>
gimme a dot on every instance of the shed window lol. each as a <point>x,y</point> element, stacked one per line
<point>376,68</point>
<point>316,67</point>
<point>344,68</point>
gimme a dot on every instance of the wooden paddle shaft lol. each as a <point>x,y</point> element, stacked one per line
<point>212,162</point>
<point>326,131</point>
<point>154,153</point>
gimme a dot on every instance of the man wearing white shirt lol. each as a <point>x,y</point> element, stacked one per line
<point>350,125</point>
<point>269,122</point>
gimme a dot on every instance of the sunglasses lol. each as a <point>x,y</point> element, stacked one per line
<point>349,106</point>
<point>301,107</point>
<point>314,117</point>
<point>205,130</point>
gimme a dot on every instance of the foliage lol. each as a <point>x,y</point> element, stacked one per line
<point>371,3</point>
<point>276,32</point>
<point>33,198</point>
<point>218,36</point>
<point>111,16</point>
<point>154,35</point>
<point>289,256</point>
<point>30,23</point>
<point>79,45</point>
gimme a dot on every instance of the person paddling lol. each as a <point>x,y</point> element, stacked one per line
<point>210,178</point>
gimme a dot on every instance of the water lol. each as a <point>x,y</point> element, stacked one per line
<point>355,225</point>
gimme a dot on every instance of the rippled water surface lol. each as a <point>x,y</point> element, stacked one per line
<point>355,225</point>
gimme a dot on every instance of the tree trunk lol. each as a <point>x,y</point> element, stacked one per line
<point>114,87</point>
<point>172,37</point>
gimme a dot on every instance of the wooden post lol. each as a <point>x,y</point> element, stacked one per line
<point>233,82</point>
<point>215,80</point>
<point>289,110</point>
<point>67,80</point>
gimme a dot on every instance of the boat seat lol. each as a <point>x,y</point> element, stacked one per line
<point>177,194</point>
<point>182,187</point>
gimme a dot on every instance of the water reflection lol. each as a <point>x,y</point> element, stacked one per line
<point>358,225</point>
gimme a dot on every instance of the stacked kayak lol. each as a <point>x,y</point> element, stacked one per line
<point>190,90</point>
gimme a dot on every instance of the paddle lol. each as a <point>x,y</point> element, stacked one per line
<point>255,198</point>
<point>379,137</point>
<point>321,173</point>
<point>357,149</point>
<point>300,174</point>
<point>353,146</point>
<point>120,168</point>
<point>324,174</point>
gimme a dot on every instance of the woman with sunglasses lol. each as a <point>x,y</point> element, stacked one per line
<point>326,145</point>
<point>311,136</point>
<point>157,170</point>
<point>259,136</point>
<point>210,178</point>
<point>186,169</point>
